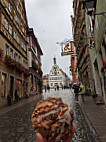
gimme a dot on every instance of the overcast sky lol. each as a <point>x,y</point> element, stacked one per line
<point>51,22</point>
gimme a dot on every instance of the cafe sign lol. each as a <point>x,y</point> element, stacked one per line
<point>68,49</point>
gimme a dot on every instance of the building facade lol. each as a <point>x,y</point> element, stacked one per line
<point>84,66</point>
<point>57,77</point>
<point>96,30</point>
<point>35,53</point>
<point>73,67</point>
<point>14,72</point>
<point>45,80</point>
<point>100,42</point>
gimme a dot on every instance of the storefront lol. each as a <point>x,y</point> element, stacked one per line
<point>19,87</point>
<point>35,86</point>
<point>31,83</point>
<point>3,85</point>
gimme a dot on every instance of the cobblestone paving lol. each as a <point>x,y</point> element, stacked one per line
<point>15,124</point>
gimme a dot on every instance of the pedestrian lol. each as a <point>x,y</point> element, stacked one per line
<point>45,88</point>
<point>82,91</point>
<point>16,96</point>
<point>76,91</point>
<point>55,88</point>
<point>9,98</point>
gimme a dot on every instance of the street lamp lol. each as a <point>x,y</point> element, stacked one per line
<point>90,6</point>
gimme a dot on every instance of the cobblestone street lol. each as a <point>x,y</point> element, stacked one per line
<point>16,119</point>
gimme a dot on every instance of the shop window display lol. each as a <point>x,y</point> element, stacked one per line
<point>3,85</point>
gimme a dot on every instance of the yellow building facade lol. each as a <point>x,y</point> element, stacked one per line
<point>14,71</point>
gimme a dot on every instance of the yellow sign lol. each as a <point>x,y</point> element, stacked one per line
<point>67,53</point>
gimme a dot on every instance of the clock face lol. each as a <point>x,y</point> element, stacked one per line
<point>55,68</point>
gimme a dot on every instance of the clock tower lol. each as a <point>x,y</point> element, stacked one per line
<point>54,59</point>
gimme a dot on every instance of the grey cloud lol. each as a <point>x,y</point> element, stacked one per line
<point>51,22</point>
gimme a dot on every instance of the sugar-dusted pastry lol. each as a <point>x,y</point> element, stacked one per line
<point>52,119</point>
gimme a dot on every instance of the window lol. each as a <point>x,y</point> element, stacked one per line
<point>23,29</point>
<point>15,56</point>
<point>27,39</point>
<point>11,53</point>
<point>51,84</point>
<point>18,40</point>
<point>10,7</point>
<point>10,29</point>
<point>5,23</point>
<point>22,13</point>
<point>15,35</point>
<point>19,6</point>
<point>7,49</point>
<point>22,45</point>
<point>16,19</point>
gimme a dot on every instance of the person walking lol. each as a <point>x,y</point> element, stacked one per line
<point>82,91</point>
<point>45,88</point>
<point>76,91</point>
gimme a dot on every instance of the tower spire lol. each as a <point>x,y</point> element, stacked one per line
<point>54,59</point>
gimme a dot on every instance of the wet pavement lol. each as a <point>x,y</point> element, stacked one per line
<point>15,121</point>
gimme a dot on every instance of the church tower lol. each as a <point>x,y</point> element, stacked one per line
<point>54,60</point>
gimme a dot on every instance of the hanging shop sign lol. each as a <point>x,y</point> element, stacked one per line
<point>68,49</point>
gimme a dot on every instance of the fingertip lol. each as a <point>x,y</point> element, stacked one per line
<point>39,138</point>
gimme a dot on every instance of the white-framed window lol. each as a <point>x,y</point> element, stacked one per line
<point>10,29</point>
<point>11,52</point>
<point>10,7</point>
<point>27,39</point>
<point>51,84</point>
<point>16,56</point>
<point>23,29</point>
<point>17,19</point>
<point>18,40</point>
<point>15,35</point>
<point>5,23</point>
<point>22,45</point>
<point>7,49</point>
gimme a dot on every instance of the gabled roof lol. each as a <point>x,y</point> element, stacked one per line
<point>30,32</point>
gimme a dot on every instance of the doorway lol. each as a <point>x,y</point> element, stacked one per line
<point>11,86</point>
